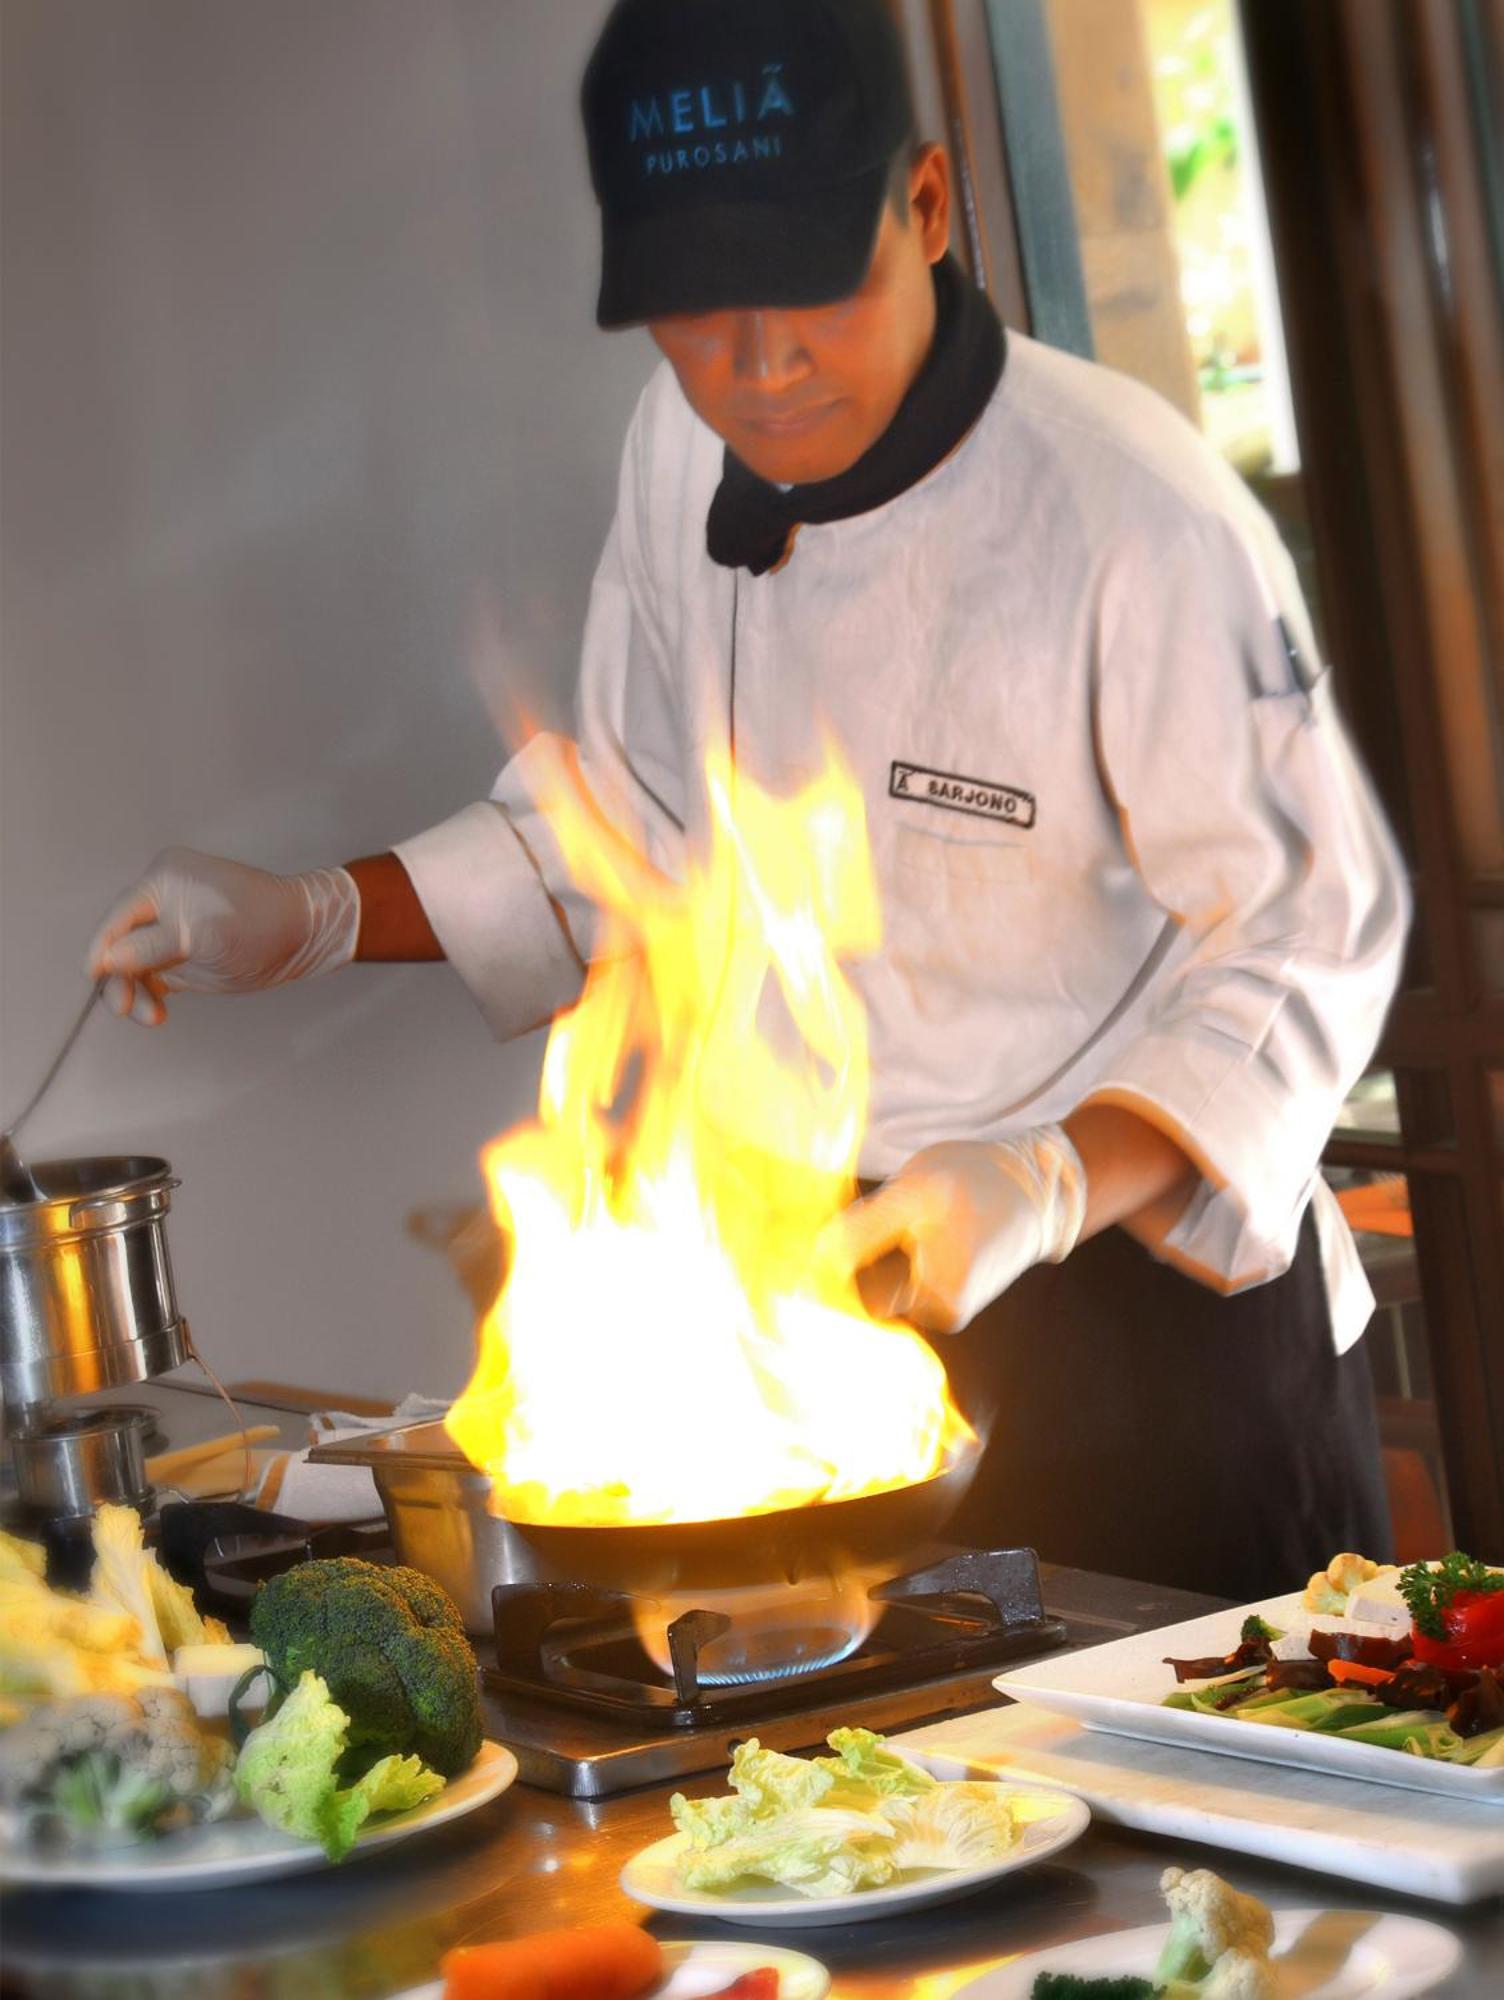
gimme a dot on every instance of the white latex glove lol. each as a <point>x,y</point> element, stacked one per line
<point>197,924</point>
<point>970,1217</point>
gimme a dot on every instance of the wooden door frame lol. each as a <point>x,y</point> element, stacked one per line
<point>1335,83</point>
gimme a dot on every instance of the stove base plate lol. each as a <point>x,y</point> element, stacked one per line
<point>591,1757</point>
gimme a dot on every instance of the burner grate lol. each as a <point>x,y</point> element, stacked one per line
<point>575,1646</point>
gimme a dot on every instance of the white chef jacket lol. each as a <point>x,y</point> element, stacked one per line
<point>1122,842</point>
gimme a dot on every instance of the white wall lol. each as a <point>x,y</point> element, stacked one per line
<point>298,363</point>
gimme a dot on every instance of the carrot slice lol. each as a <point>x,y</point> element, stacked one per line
<point>1346,1672</point>
<point>605,1962</point>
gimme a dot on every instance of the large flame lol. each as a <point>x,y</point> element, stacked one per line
<point>665,1347</point>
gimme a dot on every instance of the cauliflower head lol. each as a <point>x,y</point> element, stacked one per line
<point>1330,1588</point>
<point>114,1766</point>
<point>1218,1947</point>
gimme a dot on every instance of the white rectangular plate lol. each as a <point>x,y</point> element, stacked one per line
<point>1409,1843</point>
<point>1120,1688</point>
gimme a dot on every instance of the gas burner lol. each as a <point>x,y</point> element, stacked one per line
<point>577,1646</point>
<point>576,1695</point>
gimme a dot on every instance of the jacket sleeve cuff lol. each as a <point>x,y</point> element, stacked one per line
<point>495,919</point>
<point>1258,1156</point>
<point>1256,1148</point>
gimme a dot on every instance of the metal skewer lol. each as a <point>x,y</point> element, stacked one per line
<point>17,1182</point>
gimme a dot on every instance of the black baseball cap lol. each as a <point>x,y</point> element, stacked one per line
<point>740,150</point>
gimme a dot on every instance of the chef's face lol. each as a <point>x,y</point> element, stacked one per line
<point>800,393</point>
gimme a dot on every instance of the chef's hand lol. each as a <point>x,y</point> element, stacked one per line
<point>196,924</point>
<point>970,1217</point>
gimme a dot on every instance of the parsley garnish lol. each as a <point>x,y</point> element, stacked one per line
<point>1429,1591</point>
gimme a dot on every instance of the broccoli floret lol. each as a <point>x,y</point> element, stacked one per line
<point>390,1647</point>
<point>1069,1986</point>
<point>1255,1627</point>
<point>1218,1947</point>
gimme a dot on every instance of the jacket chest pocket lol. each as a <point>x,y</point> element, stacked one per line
<point>954,911</point>
<point>963,865</point>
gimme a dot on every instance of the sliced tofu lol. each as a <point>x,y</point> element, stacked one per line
<point>207,1674</point>
<point>1378,1602</point>
<point>1296,1643</point>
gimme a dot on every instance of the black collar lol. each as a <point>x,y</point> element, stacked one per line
<point>751,520</point>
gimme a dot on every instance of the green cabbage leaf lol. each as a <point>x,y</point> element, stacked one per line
<point>958,1825</point>
<point>816,1851</point>
<point>863,1768</point>
<point>826,1826</point>
<point>287,1772</point>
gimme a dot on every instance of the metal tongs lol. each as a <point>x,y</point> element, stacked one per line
<point>17,1182</point>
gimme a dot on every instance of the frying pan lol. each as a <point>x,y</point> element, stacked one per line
<point>436,1503</point>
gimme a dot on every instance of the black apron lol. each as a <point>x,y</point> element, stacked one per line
<point>1139,1424</point>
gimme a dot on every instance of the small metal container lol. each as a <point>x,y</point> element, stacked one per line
<point>86,1292</point>
<point>68,1464</point>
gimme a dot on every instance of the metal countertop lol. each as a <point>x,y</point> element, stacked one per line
<point>531,1860</point>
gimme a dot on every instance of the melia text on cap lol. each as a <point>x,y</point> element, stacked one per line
<point>740,151</point>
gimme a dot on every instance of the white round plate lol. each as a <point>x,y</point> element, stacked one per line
<point>247,1850</point>
<point>1321,1955</point>
<point>652,1876</point>
<point>697,1970</point>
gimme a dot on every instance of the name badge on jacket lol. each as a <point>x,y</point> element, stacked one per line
<point>952,792</point>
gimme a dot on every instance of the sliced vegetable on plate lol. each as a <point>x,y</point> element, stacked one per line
<point>1316,1954</point>
<point>128,1577</point>
<point>1432,1689</point>
<point>602,1962</point>
<point>369,1707</point>
<point>571,1965</point>
<point>112,1769</point>
<point>826,1838</point>
<point>1457,1610</point>
<point>288,1771</point>
<point>828,1825</point>
<point>58,1644</point>
<point>242,1847</point>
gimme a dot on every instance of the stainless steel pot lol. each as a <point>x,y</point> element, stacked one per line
<point>86,1291</point>
<point>67,1465</point>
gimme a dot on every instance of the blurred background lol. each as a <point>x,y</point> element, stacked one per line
<point>309,445</point>
<point>305,419</point>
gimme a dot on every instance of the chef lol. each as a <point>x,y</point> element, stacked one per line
<point>1142,916</point>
